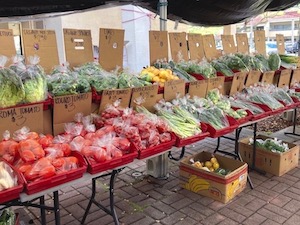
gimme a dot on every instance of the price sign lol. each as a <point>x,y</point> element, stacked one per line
<point>217,82</point>
<point>198,88</point>
<point>174,88</point>
<point>196,48</point>
<point>15,118</point>
<point>284,78</point>
<point>280,43</point>
<point>111,96</point>
<point>242,43</point>
<point>148,95</point>
<point>253,78</point>
<point>260,41</point>
<point>228,44</point>
<point>178,44</point>
<point>158,43</point>
<point>268,77</point>
<point>238,82</point>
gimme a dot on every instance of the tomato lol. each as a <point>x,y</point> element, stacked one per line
<point>66,148</point>
<point>87,151</point>
<point>27,155</point>
<point>100,155</point>
<point>48,171</point>
<point>40,169</point>
<point>57,163</point>
<point>104,130</point>
<point>77,143</point>
<point>34,147</point>
<point>90,136</point>
<point>54,152</point>
<point>121,143</point>
<point>117,154</point>
<point>46,141</point>
<point>9,150</point>
<point>24,168</point>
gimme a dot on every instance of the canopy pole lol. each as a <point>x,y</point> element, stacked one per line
<point>163,9</point>
<point>158,166</point>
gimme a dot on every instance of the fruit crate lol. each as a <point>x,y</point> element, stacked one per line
<point>222,188</point>
<point>14,192</point>
<point>60,178</point>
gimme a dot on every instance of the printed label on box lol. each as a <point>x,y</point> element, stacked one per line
<point>7,45</point>
<point>198,88</point>
<point>15,118</point>
<point>43,44</point>
<point>78,46</point>
<point>174,88</point>
<point>111,96</point>
<point>145,96</point>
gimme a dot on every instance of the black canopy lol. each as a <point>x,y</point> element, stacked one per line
<point>203,12</point>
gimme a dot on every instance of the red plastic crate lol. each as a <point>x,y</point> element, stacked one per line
<point>227,78</point>
<point>180,142</point>
<point>198,76</point>
<point>144,153</point>
<point>246,118</point>
<point>14,192</point>
<point>296,101</point>
<point>61,178</point>
<point>96,167</point>
<point>290,106</point>
<point>268,110</point>
<point>214,133</point>
<point>96,97</point>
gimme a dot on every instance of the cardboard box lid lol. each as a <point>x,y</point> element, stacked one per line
<point>109,97</point>
<point>14,118</point>
<point>260,41</point>
<point>238,82</point>
<point>209,45</point>
<point>173,88</point>
<point>148,94</point>
<point>268,77</point>
<point>78,46</point>
<point>242,43</point>
<point>196,48</point>
<point>178,45</point>
<point>280,43</point>
<point>228,44</point>
<point>295,77</point>
<point>7,44</point>
<point>158,44</point>
<point>111,47</point>
<point>198,88</point>
<point>284,78</point>
<point>253,78</point>
<point>42,43</point>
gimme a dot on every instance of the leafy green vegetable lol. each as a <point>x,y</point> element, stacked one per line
<point>264,62</point>
<point>11,87</point>
<point>234,63</point>
<point>222,68</point>
<point>274,61</point>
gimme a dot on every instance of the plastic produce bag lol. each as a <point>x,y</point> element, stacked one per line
<point>65,164</point>
<point>222,68</point>
<point>7,217</point>
<point>89,69</point>
<point>30,150</point>
<point>8,178</point>
<point>11,86</point>
<point>264,62</point>
<point>42,168</point>
<point>283,96</point>
<point>215,117</point>
<point>245,105</point>
<point>234,63</point>
<point>274,61</point>
<point>126,80</point>
<point>8,148</point>
<point>33,78</point>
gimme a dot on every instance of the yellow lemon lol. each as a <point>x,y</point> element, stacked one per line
<point>213,160</point>
<point>208,164</point>
<point>216,165</point>
<point>155,79</point>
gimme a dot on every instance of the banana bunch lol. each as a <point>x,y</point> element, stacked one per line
<point>232,189</point>
<point>160,76</point>
<point>196,184</point>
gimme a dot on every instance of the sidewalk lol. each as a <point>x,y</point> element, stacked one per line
<point>144,200</point>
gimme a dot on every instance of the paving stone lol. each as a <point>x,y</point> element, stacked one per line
<point>256,204</point>
<point>173,218</point>
<point>270,222</point>
<point>186,221</point>
<point>267,191</point>
<point>232,215</point>
<point>202,209</point>
<point>292,206</point>
<point>132,218</point>
<point>228,221</point>
<point>76,211</point>
<point>295,190</point>
<point>85,203</point>
<point>287,179</point>
<point>213,219</point>
<point>182,203</point>
<point>261,195</point>
<point>154,194</point>
<point>281,187</point>
<point>215,205</point>
<point>193,213</point>
<point>173,198</point>
<point>280,200</point>
<point>297,185</point>
<point>254,219</point>
<point>155,213</point>
<point>167,209</point>
<point>292,195</point>
<point>144,221</point>
<point>244,200</point>
<point>271,215</point>
<point>72,200</point>
<point>68,195</point>
<point>243,211</point>
<point>270,183</point>
<point>292,220</point>
<point>278,210</point>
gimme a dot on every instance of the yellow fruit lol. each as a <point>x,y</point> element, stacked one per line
<point>213,160</point>
<point>155,79</point>
<point>216,165</point>
<point>211,169</point>
<point>161,84</point>
<point>162,80</point>
<point>169,71</point>
<point>163,74</point>
<point>197,164</point>
<point>175,78</point>
<point>156,71</point>
<point>208,164</point>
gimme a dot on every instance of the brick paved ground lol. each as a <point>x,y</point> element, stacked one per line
<point>144,200</point>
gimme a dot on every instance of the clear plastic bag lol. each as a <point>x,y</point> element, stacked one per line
<point>8,178</point>
<point>42,168</point>
<point>215,117</point>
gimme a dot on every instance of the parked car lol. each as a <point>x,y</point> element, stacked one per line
<point>293,48</point>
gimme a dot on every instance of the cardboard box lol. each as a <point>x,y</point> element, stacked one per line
<point>65,108</point>
<point>210,184</point>
<point>48,122</point>
<point>14,118</point>
<point>274,163</point>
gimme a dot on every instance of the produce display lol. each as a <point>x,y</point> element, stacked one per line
<point>221,67</point>
<point>33,78</point>
<point>234,62</point>
<point>7,217</point>
<point>211,165</point>
<point>270,144</point>
<point>8,178</point>
<point>204,68</point>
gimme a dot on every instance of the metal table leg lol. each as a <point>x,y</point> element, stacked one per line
<point>56,208</point>
<point>43,212</point>
<point>218,144</point>
<point>111,211</point>
<point>294,125</point>
<point>180,157</point>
